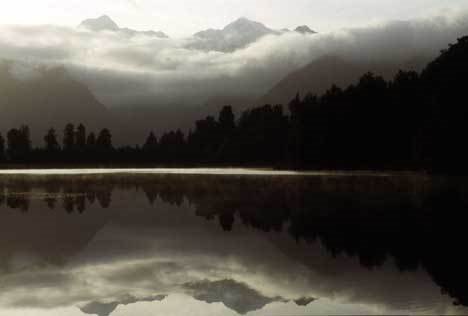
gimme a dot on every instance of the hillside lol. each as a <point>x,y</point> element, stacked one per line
<point>321,74</point>
<point>46,98</point>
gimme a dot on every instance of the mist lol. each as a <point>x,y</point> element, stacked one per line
<point>147,71</point>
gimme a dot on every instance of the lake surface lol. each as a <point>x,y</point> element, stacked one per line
<point>231,242</point>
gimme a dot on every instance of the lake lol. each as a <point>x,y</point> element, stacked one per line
<point>231,242</point>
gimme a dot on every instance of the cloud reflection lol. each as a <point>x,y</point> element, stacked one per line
<point>129,250</point>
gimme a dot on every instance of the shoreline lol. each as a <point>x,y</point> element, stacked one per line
<point>254,171</point>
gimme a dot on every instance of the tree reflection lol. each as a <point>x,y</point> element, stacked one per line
<point>104,198</point>
<point>18,201</point>
<point>2,195</point>
<point>68,200</point>
<point>80,203</point>
<point>91,197</point>
<point>414,221</point>
<point>17,195</point>
<point>52,190</point>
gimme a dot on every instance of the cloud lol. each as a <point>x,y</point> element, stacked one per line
<point>145,70</point>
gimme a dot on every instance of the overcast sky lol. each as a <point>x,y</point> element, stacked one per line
<point>184,17</point>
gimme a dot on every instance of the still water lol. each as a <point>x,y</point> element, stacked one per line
<point>239,242</point>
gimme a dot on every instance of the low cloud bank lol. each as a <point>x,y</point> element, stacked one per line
<point>152,71</point>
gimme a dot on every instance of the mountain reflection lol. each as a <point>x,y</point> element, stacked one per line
<point>414,221</point>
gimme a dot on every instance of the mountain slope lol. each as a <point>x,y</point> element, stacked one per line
<point>51,98</point>
<point>321,74</point>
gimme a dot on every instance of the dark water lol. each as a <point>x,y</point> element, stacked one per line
<point>152,244</point>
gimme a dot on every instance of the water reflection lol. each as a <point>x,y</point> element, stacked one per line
<point>280,245</point>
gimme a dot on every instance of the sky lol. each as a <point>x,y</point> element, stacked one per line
<point>182,18</point>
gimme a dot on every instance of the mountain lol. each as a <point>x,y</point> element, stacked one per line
<point>321,74</point>
<point>304,29</point>
<point>46,98</point>
<point>233,36</point>
<point>236,35</point>
<point>105,23</point>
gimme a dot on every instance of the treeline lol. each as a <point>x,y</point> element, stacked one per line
<point>415,121</point>
<point>257,138</point>
<point>75,146</point>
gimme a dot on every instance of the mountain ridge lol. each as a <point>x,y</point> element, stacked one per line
<point>238,34</point>
<point>105,23</point>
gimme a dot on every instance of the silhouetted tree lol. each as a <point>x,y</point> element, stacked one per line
<point>91,141</point>
<point>2,148</point>
<point>104,146</point>
<point>51,144</point>
<point>13,137</point>
<point>26,138</point>
<point>205,140</point>
<point>80,137</point>
<point>261,136</point>
<point>104,140</point>
<point>19,144</point>
<point>150,148</point>
<point>227,126</point>
<point>227,120</point>
<point>172,147</point>
<point>151,143</point>
<point>69,138</point>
